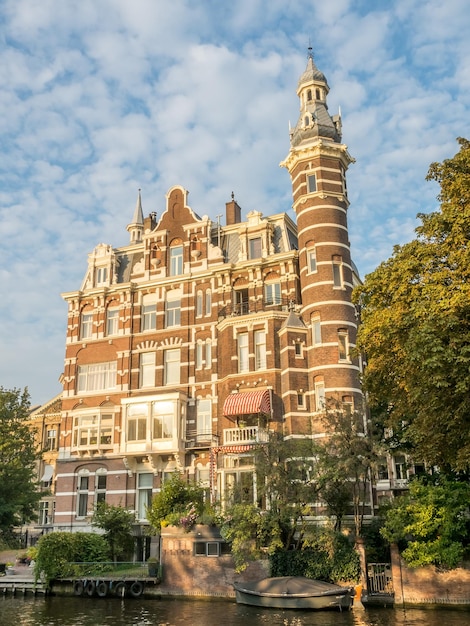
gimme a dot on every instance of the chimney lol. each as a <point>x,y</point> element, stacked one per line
<point>233,212</point>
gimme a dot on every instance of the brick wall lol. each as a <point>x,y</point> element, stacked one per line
<point>426,585</point>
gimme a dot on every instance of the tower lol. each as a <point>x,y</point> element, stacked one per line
<point>317,164</point>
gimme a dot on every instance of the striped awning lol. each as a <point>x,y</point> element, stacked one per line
<point>248,402</point>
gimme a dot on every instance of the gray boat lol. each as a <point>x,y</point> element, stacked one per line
<point>294,592</point>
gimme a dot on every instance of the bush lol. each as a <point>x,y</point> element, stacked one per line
<point>57,550</point>
<point>326,555</point>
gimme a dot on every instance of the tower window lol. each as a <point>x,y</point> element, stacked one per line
<point>316,330</point>
<point>343,345</point>
<point>312,183</point>
<point>309,95</point>
<point>337,273</point>
<point>318,94</point>
<point>306,120</point>
<point>312,260</point>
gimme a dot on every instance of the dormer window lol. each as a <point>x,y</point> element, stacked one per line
<point>101,276</point>
<point>307,120</point>
<point>255,248</point>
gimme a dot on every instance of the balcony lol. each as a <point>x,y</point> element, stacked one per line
<point>247,434</point>
<point>202,441</point>
<point>255,306</point>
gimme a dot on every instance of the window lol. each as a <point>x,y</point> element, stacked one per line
<point>112,321</point>
<point>348,404</point>
<point>255,248</point>
<point>260,349</point>
<point>337,272</point>
<point>316,330</point>
<point>199,304</point>
<point>172,367</point>
<point>207,548</point>
<point>320,400</point>
<point>241,301</point>
<point>204,420</point>
<point>208,353</point>
<point>301,400</point>
<point>163,419</point>
<point>86,326</point>
<point>198,355</point>
<point>318,94</point>
<point>272,293</point>
<point>92,430</point>
<point>101,274</point>
<point>343,346</point>
<point>137,422</point>
<point>51,439</point>
<point>208,302</point>
<point>149,317</point>
<point>144,494</point>
<point>311,183</point>
<point>44,518</point>
<point>100,487</point>
<point>82,495</point>
<point>400,468</point>
<point>242,341</point>
<point>97,377</point>
<point>309,95</point>
<point>147,369</point>
<point>298,348</point>
<point>176,260</point>
<point>312,260</point>
<point>173,313</point>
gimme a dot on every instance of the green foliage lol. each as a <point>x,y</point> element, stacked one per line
<point>344,462</point>
<point>19,494</point>
<point>178,503</point>
<point>327,555</point>
<point>432,521</point>
<point>57,550</point>
<point>117,523</point>
<point>415,328</point>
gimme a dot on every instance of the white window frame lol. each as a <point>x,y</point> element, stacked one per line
<point>172,369</point>
<point>338,279</point>
<point>173,313</point>
<point>149,317</point>
<point>83,492</point>
<point>260,349</point>
<point>204,419</point>
<point>272,294</point>
<point>343,346</point>
<point>312,260</point>
<point>208,303</point>
<point>144,494</point>
<point>112,321</point>
<point>243,352</point>
<point>316,330</point>
<point>96,377</point>
<point>163,419</point>
<point>86,325</point>
<point>101,276</point>
<point>320,397</point>
<point>176,260</point>
<point>208,354</point>
<point>100,488</point>
<point>147,369</point>
<point>92,430</point>
<point>199,304</point>
<point>137,419</point>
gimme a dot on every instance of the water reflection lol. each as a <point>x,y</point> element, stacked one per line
<point>29,611</point>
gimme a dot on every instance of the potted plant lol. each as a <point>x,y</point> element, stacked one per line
<point>153,566</point>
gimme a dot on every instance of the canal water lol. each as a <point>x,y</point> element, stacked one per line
<point>60,611</point>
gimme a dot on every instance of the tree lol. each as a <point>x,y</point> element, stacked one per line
<point>19,493</point>
<point>117,523</point>
<point>178,503</point>
<point>432,521</point>
<point>286,487</point>
<point>345,460</point>
<point>415,328</point>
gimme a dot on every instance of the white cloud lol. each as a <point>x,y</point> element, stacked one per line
<point>103,98</point>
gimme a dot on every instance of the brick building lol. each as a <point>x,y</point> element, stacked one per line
<point>198,338</point>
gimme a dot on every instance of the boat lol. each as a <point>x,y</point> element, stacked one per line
<point>294,592</point>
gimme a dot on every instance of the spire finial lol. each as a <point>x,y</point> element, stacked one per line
<point>310,50</point>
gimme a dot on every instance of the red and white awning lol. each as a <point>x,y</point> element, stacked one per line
<point>248,402</point>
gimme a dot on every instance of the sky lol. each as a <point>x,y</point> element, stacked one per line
<point>101,98</point>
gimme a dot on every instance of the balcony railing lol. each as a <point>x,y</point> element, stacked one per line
<point>255,306</point>
<point>202,440</point>
<point>247,434</point>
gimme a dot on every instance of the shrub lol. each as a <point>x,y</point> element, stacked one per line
<point>57,550</point>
